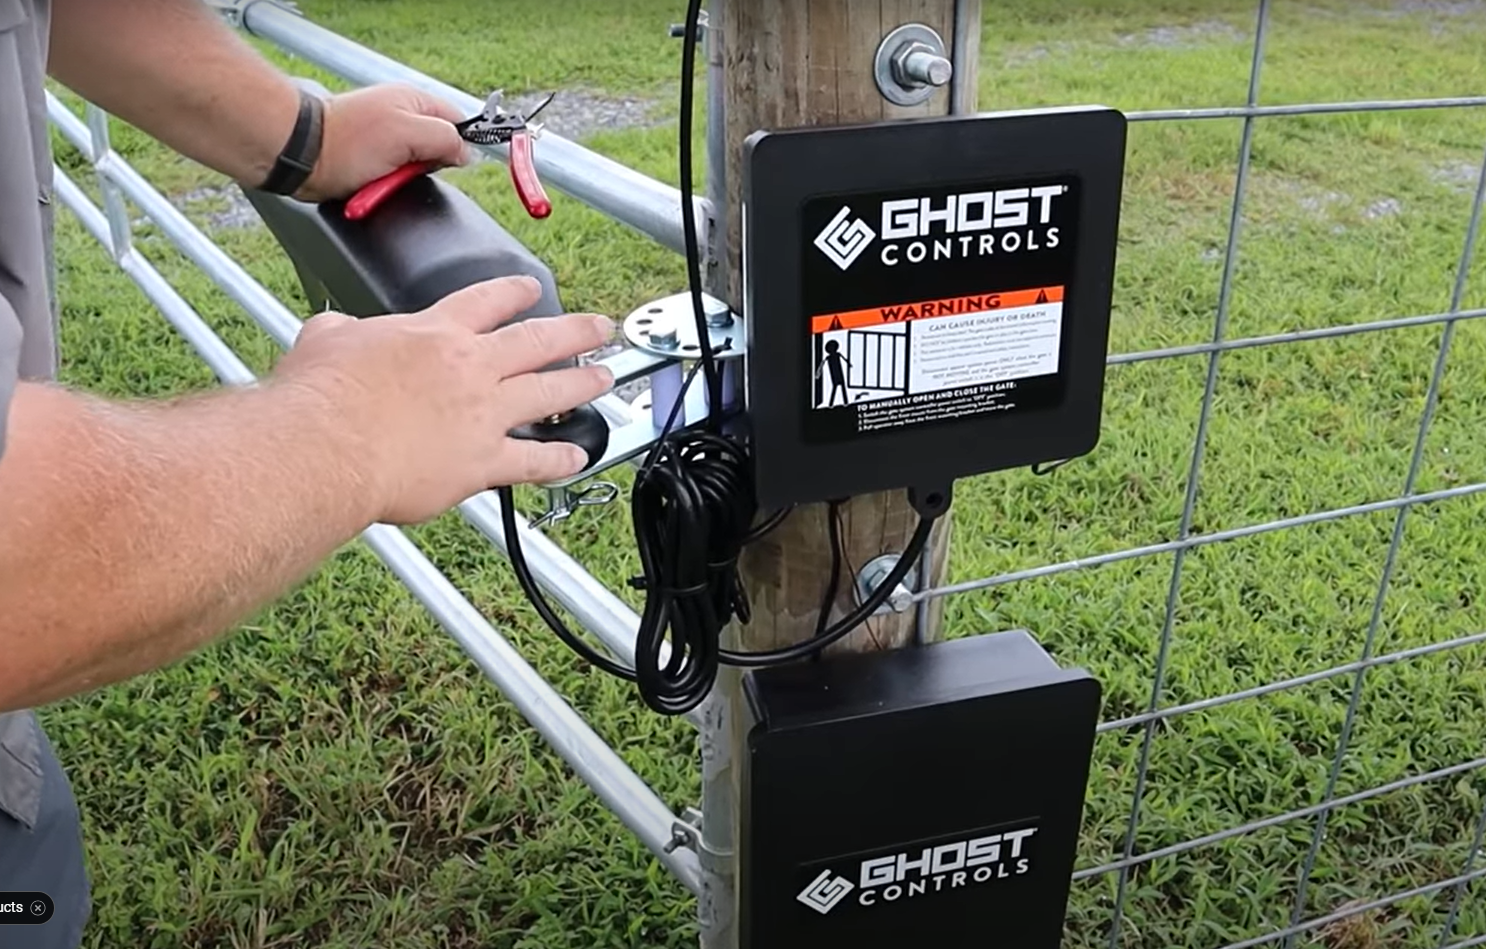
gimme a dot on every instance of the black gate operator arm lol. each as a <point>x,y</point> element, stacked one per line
<point>425,241</point>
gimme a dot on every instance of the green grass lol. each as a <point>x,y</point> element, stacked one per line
<point>338,774</point>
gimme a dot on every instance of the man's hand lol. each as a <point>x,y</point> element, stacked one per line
<point>428,399</point>
<point>373,131</point>
<point>175,70</point>
<point>131,533</point>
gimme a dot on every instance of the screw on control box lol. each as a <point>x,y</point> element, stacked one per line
<point>927,299</point>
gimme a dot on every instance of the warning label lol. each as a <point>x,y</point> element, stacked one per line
<point>937,360</point>
<point>978,280</point>
<point>885,354</point>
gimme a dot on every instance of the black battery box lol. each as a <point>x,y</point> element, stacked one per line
<point>929,796</point>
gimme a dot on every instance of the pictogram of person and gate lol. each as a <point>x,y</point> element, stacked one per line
<point>860,365</point>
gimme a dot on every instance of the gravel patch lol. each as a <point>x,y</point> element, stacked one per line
<point>1439,8</point>
<point>578,114</point>
<point>1277,195</point>
<point>237,212</point>
<point>1442,16</point>
<point>1383,207</point>
<point>1457,175</point>
<point>1183,36</point>
<point>1316,202</point>
<point>211,208</point>
<point>1186,36</point>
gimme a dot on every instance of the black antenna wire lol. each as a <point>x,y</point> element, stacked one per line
<point>693,508</point>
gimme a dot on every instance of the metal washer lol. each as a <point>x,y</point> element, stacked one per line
<point>667,328</point>
<point>891,45</point>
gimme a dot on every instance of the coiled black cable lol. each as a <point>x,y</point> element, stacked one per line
<point>694,509</point>
<point>687,531</point>
<point>691,523</point>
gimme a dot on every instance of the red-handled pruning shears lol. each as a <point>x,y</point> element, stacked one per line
<point>492,126</point>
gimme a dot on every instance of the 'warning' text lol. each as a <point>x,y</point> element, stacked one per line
<point>953,307</point>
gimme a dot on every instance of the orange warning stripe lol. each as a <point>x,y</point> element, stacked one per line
<point>931,309</point>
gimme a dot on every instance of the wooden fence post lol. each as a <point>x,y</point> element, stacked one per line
<point>784,64</point>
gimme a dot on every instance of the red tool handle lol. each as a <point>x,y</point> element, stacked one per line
<point>524,177</point>
<point>372,194</point>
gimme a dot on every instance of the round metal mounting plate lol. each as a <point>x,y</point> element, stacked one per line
<point>882,68</point>
<point>667,327</point>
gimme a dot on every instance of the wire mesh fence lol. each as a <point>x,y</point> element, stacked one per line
<point>1324,803</point>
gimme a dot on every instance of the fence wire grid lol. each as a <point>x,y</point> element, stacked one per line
<point>1393,862</point>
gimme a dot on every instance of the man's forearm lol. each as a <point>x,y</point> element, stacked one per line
<point>131,534</point>
<point>173,69</point>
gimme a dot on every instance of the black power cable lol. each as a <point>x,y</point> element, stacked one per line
<point>693,507</point>
<point>688,212</point>
<point>833,585</point>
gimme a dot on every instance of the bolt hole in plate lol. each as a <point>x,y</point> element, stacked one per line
<point>640,405</point>
<point>667,328</point>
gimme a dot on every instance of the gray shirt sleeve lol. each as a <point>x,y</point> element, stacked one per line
<point>20,774</point>
<point>27,327</point>
<point>10,353</point>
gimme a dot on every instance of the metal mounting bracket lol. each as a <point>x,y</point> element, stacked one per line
<point>563,502</point>
<point>684,832</point>
<point>661,337</point>
<point>704,22</point>
<point>667,328</point>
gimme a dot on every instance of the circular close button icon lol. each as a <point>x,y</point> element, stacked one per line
<point>24,909</point>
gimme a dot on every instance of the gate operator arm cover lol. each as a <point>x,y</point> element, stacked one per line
<point>424,242</point>
<point>927,299</point>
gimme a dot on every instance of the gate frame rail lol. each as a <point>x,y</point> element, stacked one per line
<point>600,767</point>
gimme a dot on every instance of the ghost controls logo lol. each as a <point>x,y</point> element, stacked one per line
<point>825,891</point>
<point>922,871</point>
<point>843,241</point>
<point>958,226</point>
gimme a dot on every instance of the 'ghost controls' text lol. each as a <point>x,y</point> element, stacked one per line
<point>974,224</point>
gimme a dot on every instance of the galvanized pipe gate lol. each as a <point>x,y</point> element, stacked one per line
<point>696,846</point>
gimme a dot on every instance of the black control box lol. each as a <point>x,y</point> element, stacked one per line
<point>929,796</point>
<point>927,299</point>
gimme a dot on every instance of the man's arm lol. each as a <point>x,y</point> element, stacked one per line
<point>175,70</point>
<point>131,533</point>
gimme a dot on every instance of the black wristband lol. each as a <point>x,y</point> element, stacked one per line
<point>300,153</point>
